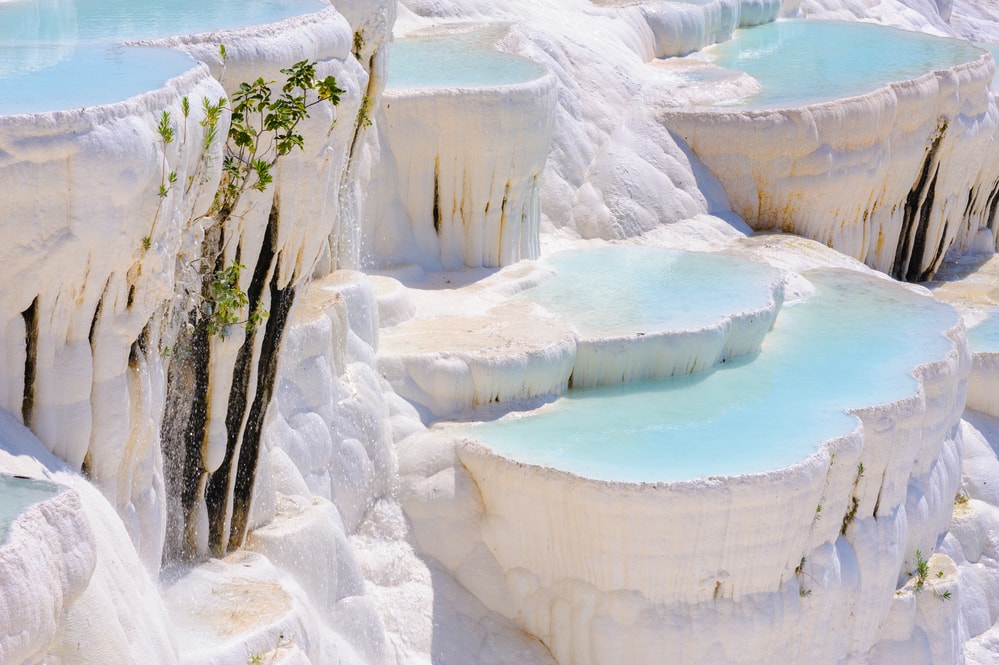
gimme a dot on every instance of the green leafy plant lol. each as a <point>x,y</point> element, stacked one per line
<point>185,110</point>
<point>363,112</point>
<point>358,43</point>
<point>264,127</point>
<point>943,595</point>
<point>165,129</point>
<point>851,512</point>
<point>922,571</point>
<point>225,301</point>
<point>799,572</point>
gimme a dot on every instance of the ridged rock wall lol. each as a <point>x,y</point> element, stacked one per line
<point>893,178</point>
<point>686,571</point>
<point>100,356</point>
<point>459,172</point>
<point>680,28</point>
<point>84,297</point>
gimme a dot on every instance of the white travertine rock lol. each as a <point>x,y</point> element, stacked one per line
<point>681,28</point>
<point>660,354</point>
<point>459,171</point>
<point>679,570</point>
<point>93,291</point>
<point>332,419</point>
<point>450,364</point>
<point>982,393</point>
<point>239,608</point>
<point>613,171</point>
<point>73,587</point>
<point>861,174</point>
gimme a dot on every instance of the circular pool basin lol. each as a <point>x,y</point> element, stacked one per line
<point>983,337</point>
<point>456,60</point>
<point>91,75</point>
<point>56,56</point>
<point>47,21</point>
<point>994,50</point>
<point>17,494</point>
<point>852,344</point>
<point>631,289</point>
<point>800,62</point>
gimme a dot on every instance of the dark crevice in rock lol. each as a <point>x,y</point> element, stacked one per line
<point>917,256</point>
<point>881,488</point>
<point>916,212</point>
<point>30,317</point>
<point>217,490</point>
<point>993,201</point>
<point>185,420</point>
<point>231,485</point>
<point>246,469</point>
<point>938,257</point>
<point>437,195</point>
<point>97,317</point>
<point>187,407</point>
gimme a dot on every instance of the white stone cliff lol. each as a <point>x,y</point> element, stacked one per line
<point>276,495</point>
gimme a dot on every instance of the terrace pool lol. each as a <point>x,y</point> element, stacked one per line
<point>983,337</point>
<point>456,60</point>
<point>801,61</point>
<point>628,289</point>
<point>56,56</point>
<point>854,343</point>
<point>27,22</point>
<point>17,494</point>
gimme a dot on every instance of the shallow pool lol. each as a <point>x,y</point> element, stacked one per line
<point>983,337</point>
<point>89,75</point>
<point>458,60</point>
<point>802,61</point>
<point>854,343</point>
<point>628,289</point>
<point>57,55</point>
<point>52,21</point>
<point>17,494</point>
<point>994,50</point>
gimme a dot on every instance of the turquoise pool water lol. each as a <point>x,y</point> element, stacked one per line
<point>90,75</point>
<point>48,21</point>
<point>59,55</point>
<point>460,60</point>
<point>800,62</point>
<point>852,344</point>
<point>994,50</point>
<point>623,290</point>
<point>984,336</point>
<point>16,494</point>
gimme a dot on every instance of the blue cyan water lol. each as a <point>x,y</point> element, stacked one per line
<point>984,336</point>
<point>854,343</point>
<point>90,75</point>
<point>799,62</point>
<point>63,54</point>
<point>460,60</point>
<point>626,289</point>
<point>994,50</point>
<point>16,494</point>
<point>45,21</point>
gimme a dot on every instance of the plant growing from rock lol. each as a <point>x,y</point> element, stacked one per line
<point>922,571</point>
<point>265,126</point>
